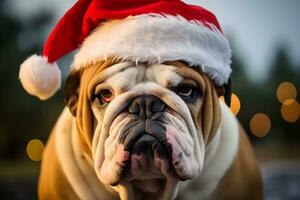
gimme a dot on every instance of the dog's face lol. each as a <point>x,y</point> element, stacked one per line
<point>143,121</point>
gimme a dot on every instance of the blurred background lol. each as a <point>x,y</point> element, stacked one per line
<point>265,38</point>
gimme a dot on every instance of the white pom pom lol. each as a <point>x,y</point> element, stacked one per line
<point>40,78</point>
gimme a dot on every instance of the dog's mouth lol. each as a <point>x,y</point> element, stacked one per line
<point>150,154</point>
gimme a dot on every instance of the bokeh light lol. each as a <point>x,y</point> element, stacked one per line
<point>222,98</point>
<point>235,105</point>
<point>290,110</point>
<point>285,91</point>
<point>35,149</point>
<point>260,124</point>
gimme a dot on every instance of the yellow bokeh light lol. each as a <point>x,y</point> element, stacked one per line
<point>260,124</point>
<point>290,110</point>
<point>35,149</point>
<point>286,90</point>
<point>235,104</point>
<point>222,98</point>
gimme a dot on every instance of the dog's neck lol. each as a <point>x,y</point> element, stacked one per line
<point>79,170</point>
<point>142,190</point>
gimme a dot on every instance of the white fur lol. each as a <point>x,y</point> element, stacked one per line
<point>66,156</point>
<point>159,38</point>
<point>83,182</point>
<point>40,78</point>
<point>219,156</point>
<point>165,75</point>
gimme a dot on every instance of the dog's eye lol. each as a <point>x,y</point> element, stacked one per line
<point>184,91</point>
<point>187,92</point>
<point>105,96</point>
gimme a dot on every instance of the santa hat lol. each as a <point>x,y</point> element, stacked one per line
<point>153,31</point>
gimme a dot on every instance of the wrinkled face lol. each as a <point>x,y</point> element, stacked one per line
<point>147,121</point>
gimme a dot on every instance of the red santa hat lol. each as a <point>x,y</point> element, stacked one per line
<point>152,31</point>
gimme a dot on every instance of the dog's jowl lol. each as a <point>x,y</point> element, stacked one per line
<point>143,116</point>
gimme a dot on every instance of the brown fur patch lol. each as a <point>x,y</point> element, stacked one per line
<point>84,116</point>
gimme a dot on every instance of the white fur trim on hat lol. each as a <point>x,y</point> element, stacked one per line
<point>40,78</point>
<point>157,39</point>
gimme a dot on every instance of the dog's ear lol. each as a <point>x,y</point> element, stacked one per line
<point>225,90</point>
<point>72,91</point>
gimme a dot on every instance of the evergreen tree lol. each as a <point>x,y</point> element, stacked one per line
<point>22,117</point>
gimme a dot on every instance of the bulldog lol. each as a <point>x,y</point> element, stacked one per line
<point>138,130</point>
<point>143,116</point>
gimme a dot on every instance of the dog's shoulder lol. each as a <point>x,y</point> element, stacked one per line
<point>230,168</point>
<point>53,183</point>
<point>243,179</point>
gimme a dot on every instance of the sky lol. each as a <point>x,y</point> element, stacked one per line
<point>258,27</point>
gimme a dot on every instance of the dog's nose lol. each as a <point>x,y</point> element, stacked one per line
<point>146,106</point>
<point>148,145</point>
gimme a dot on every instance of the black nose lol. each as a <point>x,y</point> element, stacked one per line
<point>146,106</point>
